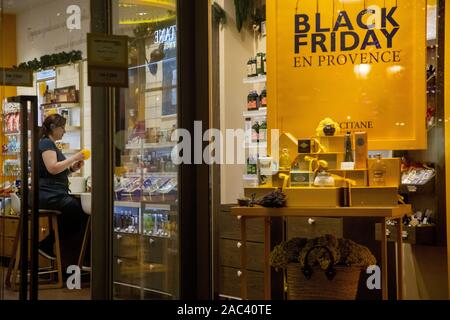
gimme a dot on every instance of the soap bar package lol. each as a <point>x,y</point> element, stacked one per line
<point>301,178</point>
<point>304,146</point>
<point>361,150</point>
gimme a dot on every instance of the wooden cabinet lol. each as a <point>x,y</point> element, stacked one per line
<point>229,246</point>
<point>313,227</point>
<point>229,256</point>
<point>8,230</point>
<point>230,283</point>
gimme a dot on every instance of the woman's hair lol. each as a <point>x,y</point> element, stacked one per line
<point>51,123</point>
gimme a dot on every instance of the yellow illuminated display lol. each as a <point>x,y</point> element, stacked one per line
<point>361,63</point>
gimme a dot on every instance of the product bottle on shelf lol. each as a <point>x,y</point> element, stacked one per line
<point>251,165</point>
<point>253,101</point>
<point>378,172</point>
<point>263,131</point>
<point>259,64</point>
<point>250,68</point>
<point>255,131</point>
<point>248,130</point>
<point>285,160</point>
<point>263,99</point>
<point>264,65</point>
<point>348,148</point>
<point>254,73</point>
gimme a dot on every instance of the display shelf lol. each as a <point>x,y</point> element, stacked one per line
<point>170,116</point>
<point>128,204</point>
<point>340,136</point>
<point>347,170</point>
<point>155,236</point>
<point>254,145</point>
<point>426,188</point>
<point>152,174</point>
<point>11,133</point>
<point>10,154</point>
<point>65,104</point>
<point>163,145</point>
<point>258,79</point>
<point>321,153</point>
<point>158,292</point>
<point>262,112</point>
<point>73,128</point>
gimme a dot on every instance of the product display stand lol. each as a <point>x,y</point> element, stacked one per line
<point>382,213</point>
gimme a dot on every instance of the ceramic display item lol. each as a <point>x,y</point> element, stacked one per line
<point>320,130</point>
<point>323,179</point>
<point>244,202</point>
<point>329,130</point>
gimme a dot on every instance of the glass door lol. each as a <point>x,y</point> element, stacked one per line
<point>145,217</point>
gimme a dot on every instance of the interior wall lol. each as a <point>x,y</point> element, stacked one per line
<point>43,30</point>
<point>37,37</point>
<point>8,53</point>
<point>8,58</point>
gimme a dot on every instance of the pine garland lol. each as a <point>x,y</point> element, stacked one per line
<point>48,61</point>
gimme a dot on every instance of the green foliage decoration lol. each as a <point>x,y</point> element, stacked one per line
<point>48,61</point>
<point>244,11</point>
<point>219,14</point>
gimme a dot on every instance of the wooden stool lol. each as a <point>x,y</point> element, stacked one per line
<point>11,276</point>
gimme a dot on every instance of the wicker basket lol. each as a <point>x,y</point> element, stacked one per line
<point>336,283</point>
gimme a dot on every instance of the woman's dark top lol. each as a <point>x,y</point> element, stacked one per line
<point>53,189</point>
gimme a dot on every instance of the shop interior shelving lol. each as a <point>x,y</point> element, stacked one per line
<point>253,80</point>
<point>146,183</point>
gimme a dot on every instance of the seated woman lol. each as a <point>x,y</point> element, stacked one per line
<point>54,169</point>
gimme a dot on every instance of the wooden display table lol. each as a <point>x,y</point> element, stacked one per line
<point>383,213</point>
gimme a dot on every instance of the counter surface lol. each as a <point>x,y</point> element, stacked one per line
<point>387,212</point>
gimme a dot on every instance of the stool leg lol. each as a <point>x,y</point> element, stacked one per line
<point>58,252</point>
<point>16,268</point>
<point>13,266</point>
<point>85,243</point>
<point>58,268</point>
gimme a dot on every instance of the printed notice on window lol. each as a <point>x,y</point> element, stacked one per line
<point>107,60</point>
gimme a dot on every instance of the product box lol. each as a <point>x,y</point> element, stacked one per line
<point>304,146</point>
<point>66,94</point>
<point>393,171</point>
<point>301,178</point>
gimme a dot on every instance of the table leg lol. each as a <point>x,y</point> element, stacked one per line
<point>399,259</point>
<point>384,282</point>
<point>267,270</point>
<point>243,271</point>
